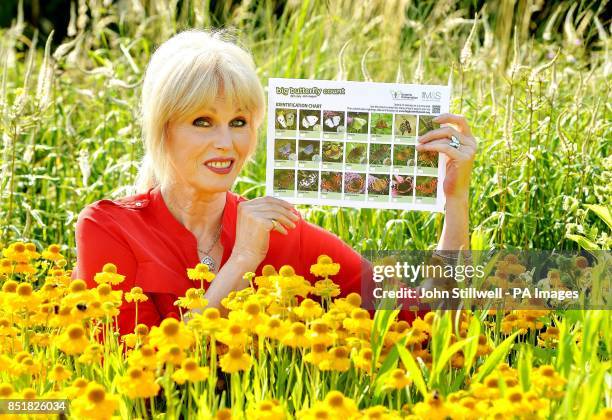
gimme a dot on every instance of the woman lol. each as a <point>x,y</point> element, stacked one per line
<point>202,104</point>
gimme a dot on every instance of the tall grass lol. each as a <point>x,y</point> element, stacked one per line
<point>539,107</point>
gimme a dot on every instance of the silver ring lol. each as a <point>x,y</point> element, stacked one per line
<point>454,142</point>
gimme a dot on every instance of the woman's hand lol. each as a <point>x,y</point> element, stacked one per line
<point>455,232</point>
<point>255,220</point>
<point>460,161</point>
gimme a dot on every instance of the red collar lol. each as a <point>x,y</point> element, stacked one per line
<point>154,199</point>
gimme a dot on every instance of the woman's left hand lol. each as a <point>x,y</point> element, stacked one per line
<point>460,161</point>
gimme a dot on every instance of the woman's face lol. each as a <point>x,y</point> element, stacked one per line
<point>208,149</point>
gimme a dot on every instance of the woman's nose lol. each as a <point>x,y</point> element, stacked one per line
<point>223,139</point>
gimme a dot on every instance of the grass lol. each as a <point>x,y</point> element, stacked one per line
<point>71,134</point>
<point>537,99</point>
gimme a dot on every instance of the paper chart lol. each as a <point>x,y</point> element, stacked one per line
<point>353,144</point>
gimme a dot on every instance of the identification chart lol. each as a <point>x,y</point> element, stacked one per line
<point>353,144</point>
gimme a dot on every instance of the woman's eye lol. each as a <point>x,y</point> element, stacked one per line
<point>238,122</point>
<point>201,122</point>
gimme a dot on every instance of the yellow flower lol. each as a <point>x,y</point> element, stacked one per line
<point>105,293</point>
<point>604,414</point>
<point>363,359</point>
<point>250,315</point>
<point>77,293</point>
<point>209,322</point>
<point>136,295</point>
<point>337,360</point>
<point>190,371</point>
<point>266,410</point>
<point>234,335</point>
<point>549,337</point>
<point>26,268</point>
<point>318,354</point>
<point>138,383</point>
<point>92,354</point>
<point>17,252</point>
<point>6,391</point>
<point>398,379</point>
<point>324,267</point>
<point>347,304</point>
<point>235,360</point>
<point>72,340</point>
<point>433,408</point>
<point>545,378</point>
<point>483,346</point>
<point>171,332</point>
<point>359,323</point>
<point>77,388</point>
<point>52,253</point>
<point>59,373</point>
<point>25,298</point>
<point>320,333</point>
<point>109,275</point>
<point>171,354</point>
<point>288,284</point>
<point>265,280</point>
<point>95,403</point>
<point>6,266</point>
<point>339,406</point>
<point>201,272</point>
<point>274,328</point>
<point>296,336</point>
<point>308,309</point>
<point>193,299</point>
<point>326,288</point>
<point>143,357</point>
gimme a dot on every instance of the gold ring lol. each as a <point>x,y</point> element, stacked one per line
<point>274,224</point>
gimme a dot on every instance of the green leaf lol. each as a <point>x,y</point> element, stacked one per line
<point>472,347</point>
<point>495,358</point>
<point>603,213</point>
<point>411,367</point>
<point>583,242</point>
<point>445,357</point>
<point>382,322</point>
<point>524,367</point>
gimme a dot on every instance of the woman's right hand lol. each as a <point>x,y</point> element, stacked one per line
<point>256,218</point>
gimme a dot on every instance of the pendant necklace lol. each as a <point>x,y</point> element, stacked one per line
<point>207,259</point>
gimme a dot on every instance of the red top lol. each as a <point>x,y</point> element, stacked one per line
<point>153,250</point>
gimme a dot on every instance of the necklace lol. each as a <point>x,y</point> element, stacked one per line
<point>207,259</point>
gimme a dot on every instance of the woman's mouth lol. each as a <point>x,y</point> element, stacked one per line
<point>220,165</point>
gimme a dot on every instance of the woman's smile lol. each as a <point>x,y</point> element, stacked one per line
<point>220,166</point>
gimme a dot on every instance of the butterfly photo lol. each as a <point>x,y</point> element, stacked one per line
<point>357,122</point>
<point>285,119</point>
<point>331,182</point>
<point>308,181</point>
<point>284,149</point>
<point>378,184</point>
<point>402,186</point>
<point>382,124</point>
<point>308,150</point>
<point>333,121</point>
<point>405,125</point>
<point>426,123</point>
<point>284,179</point>
<point>310,120</point>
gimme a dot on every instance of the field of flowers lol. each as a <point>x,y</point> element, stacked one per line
<point>536,93</point>
<point>288,348</point>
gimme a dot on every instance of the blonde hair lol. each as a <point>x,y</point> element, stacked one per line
<point>186,73</point>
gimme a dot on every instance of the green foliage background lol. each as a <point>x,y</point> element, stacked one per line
<point>535,92</point>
